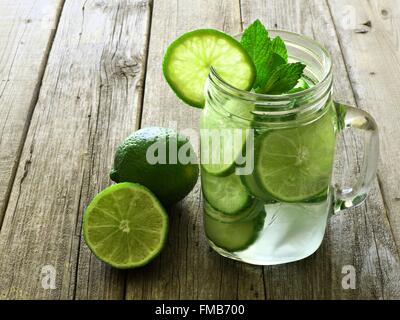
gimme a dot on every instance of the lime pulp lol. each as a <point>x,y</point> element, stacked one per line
<point>125,225</point>
<point>188,60</point>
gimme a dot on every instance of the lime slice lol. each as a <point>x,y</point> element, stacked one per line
<point>255,190</point>
<point>235,236</point>
<point>251,183</point>
<point>226,194</point>
<point>125,225</point>
<point>295,164</point>
<point>188,60</point>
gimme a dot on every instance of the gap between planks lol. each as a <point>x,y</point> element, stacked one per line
<point>141,100</point>
<point>63,109</point>
<point>31,109</point>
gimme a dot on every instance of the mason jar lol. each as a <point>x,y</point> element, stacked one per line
<point>267,160</point>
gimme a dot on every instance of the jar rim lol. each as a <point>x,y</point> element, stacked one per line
<point>322,85</point>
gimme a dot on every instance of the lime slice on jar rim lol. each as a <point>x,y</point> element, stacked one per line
<point>188,60</point>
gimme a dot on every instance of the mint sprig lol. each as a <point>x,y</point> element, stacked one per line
<point>257,43</point>
<point>274,75</point>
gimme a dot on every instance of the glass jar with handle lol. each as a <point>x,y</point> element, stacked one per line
<point>267,160</point>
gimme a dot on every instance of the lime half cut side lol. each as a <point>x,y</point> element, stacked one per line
<point>188,60</point>
<point>125,225</point>
<point>295,164</point>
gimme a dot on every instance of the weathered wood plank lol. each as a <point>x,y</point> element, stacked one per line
<point>376,82</point>
<point>89,101</point>
<point>26,33</point>
<point>360,237</point>
<point>372,58</point>
<point>187,268</point>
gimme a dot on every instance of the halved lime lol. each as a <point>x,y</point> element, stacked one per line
<point>125,225</point>
<point>188,60</point>
<point>295,164</point>
<point>226,194</point>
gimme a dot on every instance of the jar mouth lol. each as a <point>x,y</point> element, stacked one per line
<point>300,48</point>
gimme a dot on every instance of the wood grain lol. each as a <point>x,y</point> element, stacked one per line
<point>373,63</point>
<point>187,268</point>
<point>360,237</point>
<point>26,32</point>
<point>89,101</point>
<point>104,55</point>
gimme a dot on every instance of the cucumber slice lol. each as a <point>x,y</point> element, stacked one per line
<point>214,144</point>
<point>245,215</point>
<point>254,189</point>
<point>225,194</point>
<point>233,236</point>
<point>252,185</point>
<point>188,60</point>
<point>223,138</point>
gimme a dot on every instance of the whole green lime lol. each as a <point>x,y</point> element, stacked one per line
<point>160,159</point>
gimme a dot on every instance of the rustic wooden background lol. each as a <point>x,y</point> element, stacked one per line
<point>77,76</point>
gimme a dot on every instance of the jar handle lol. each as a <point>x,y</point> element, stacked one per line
<point>350,117</point>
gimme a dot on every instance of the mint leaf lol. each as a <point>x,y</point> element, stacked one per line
<point>257,43</point>
<point>274,60</point>
<point>300,86</point>
<point>274,74</point>
<point>277,56</point>
<point>284,78</point>
<point>278,47</point>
